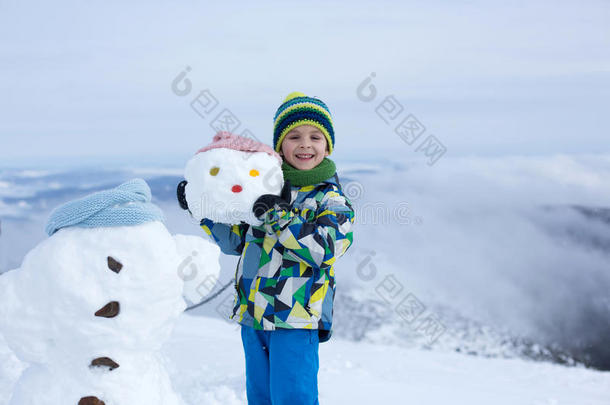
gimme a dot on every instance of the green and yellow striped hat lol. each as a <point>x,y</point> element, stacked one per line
<point>298,109</point>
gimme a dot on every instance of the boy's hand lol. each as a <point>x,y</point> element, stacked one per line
<point>267,201</point>
<point>181,195</point>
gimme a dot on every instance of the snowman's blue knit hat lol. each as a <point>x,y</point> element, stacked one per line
<point>127,204</point>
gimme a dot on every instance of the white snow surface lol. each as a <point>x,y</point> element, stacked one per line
<point>206,363</point>
<point>208,368</point>
<point>213,196</point>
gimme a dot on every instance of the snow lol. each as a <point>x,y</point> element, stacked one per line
<point>10,370</point>
<point>206,365</point>
<point>141,379</point>
<point>213,175</point>
<point>208,368</point>
<point>199,267</point>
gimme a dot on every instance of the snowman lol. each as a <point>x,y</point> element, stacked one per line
<point>225,178</point>
<point>91,306</point>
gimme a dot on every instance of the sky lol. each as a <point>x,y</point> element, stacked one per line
<point>97,81</point>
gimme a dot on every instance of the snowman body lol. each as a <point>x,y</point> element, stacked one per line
<point>223,184</point>
<point>90,308</point>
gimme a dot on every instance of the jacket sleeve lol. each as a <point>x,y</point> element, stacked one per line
<point>318,237</point>
<point>230,238</point>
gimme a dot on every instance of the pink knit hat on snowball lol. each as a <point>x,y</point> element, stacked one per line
<point>224,139</point>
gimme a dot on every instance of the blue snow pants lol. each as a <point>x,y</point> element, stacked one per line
<point>281,366</point>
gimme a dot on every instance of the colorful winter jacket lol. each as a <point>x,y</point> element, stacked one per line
<point>285,276</point>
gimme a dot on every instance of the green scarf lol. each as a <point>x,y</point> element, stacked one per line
<point>321,172</point>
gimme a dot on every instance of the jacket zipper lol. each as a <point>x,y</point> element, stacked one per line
<point>236,281</point>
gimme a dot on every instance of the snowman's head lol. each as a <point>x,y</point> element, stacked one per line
<point>225,179</point>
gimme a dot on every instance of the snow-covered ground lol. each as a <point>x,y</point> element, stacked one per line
<point>206,363</point>
<point>207,367</point>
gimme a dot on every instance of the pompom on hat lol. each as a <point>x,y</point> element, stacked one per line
<point>299,109</point>
<point>224,139</point>
<point>126,205</point>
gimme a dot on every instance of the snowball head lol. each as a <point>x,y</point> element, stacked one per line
<point>223,184</point>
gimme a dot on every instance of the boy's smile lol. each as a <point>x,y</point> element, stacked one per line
<point>304,147</point>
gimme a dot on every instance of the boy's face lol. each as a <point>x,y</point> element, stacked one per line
<point>304,147</point>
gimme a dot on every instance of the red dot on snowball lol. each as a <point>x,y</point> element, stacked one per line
<point>236,188</point>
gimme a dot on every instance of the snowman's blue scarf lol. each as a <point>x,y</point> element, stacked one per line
<point>127,204</point>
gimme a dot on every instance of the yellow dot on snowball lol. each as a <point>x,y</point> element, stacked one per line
<point>294,94</point>
<point>254,173</point>
<point>214,171</point>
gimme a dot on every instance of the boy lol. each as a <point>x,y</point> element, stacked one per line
<point>285,277</point>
